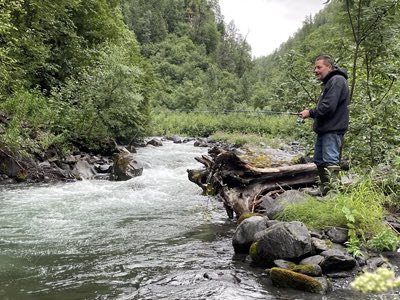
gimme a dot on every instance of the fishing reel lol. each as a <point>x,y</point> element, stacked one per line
<point>300,120</point>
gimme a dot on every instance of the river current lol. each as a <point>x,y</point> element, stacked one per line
<point>152,237</point>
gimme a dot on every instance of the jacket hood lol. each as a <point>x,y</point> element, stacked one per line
<point>336,71</point>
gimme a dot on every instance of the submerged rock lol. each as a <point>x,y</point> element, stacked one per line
<point>155,142</point>
<point>290,279</point>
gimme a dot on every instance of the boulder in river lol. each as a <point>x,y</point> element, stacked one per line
<point>125,167</point>
<point>284,240</point>
<point>245,232</point>
<point>290,279</point>
<point>336,260</point>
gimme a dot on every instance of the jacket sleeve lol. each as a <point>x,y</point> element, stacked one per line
<point>329,99</point>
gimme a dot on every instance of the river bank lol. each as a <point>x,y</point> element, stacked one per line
<point>152,237</point>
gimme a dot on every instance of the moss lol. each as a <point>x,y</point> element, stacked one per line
<point>290,279</point>
<point>257,160</point>
<point>307,269</point>
<point>122,161</point>
<point>253,250</point>
<point>329,243</point>
<point>21,176</point>
<point>244,217</point>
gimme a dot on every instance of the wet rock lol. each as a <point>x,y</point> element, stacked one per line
<point>155,142</point>
<point>284,240</point>
<point>283,263</point>
<point>83,170</point>
<point>375,262</point>
<point>245,232</point>
<point>316,235</point>
<point>290,279</point>
<point>393,222</point>
<point>313,270</point>
<point>125,167</point>
<point>138,144</point>
<point>336,275</point>
<point>336,260</point>
<point>337,234</point>
<point>312,260</point>
<point>175,139</point>
<point>200,142</point>
<point>104,168</point>
<point>10,166</point>
<point>131,149</point>
<point>187,140</point>
<point>320,245</point>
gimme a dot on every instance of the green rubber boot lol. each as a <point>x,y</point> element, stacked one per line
<point>328,176</point>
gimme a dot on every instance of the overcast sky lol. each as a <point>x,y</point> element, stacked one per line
<point>268,23</point>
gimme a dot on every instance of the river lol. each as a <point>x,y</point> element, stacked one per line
<point>152,237</point>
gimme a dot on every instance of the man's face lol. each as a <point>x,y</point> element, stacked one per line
<point>321,69</point>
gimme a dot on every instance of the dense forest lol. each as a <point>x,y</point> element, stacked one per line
<point>82,73</point>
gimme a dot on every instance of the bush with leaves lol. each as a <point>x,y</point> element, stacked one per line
<point>107,101</point>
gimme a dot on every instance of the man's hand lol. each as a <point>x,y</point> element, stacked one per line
<point>305,114</point>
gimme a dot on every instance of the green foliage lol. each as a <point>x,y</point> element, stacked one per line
<point>360,208</point>
<point>30,116</point>
<point>386,240</point>
<point>105,102</point>
<point>353,246</point>
<point>387,176</point>
<point>198,61</point>
<point>356,236</point>
<point>45,42</point>
<point>93,83</point>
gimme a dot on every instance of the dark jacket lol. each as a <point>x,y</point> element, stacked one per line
<point>332,111</point>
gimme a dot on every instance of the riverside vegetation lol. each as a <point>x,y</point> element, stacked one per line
<point>81,74</point>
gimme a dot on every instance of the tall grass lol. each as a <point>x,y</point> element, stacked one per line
<point>361,207</point>
<point>207,124</point>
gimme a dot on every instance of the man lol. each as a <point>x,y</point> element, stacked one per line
<point>331,120</point>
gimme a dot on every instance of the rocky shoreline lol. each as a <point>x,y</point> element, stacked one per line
<point>113,162</point>
<point>293,256</point>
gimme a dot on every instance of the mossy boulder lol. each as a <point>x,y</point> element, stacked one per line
<point>307,269</point>
<point>289,279</point>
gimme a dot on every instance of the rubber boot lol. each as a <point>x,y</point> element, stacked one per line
<point>333,173</point>
<point>323,187</point>
<point>325,180</point>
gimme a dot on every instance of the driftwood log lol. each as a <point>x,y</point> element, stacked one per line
<point>240,185</point>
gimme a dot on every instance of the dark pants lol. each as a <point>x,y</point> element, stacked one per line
<point>327,149</point>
